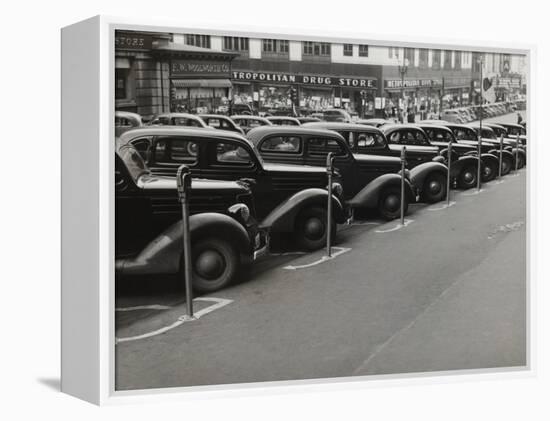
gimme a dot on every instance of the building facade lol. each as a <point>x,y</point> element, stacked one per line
<point>204,73</point>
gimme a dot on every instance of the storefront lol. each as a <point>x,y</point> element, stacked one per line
<point>420,95</point>
<point>271,91</point>
<point>456,91</point>
<point>199,79</point>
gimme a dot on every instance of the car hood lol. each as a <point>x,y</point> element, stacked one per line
<point>412,148</point>
<point>382,159</point>
<point>455,145</point>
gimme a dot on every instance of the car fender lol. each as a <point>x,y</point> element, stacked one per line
<point>509,154</point>
<point>283,217</point>
<point>369,196</point>
<point>163,254</point>
<point>519,151</point>
<point>489,158</point>
<point>461,163</point>
<point>420,172</point>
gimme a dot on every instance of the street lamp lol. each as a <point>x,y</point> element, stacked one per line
<point>403,71</point>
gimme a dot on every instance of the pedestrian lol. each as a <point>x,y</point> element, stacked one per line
<point>520,118</point>
<point>411,114</point>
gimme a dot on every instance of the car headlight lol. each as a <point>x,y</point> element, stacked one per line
<point>337,189</point>
<point>240,211</point>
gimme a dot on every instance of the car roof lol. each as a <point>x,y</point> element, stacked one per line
<point>498,126</point>
<point>249,117</point>
<point>436,126</point>
<point>282,117</point>
<point>181,115</point>
<point>127,114</point>
<point>214,116</point>
<point>396,126</point>
<point>258,133</point>
<point>517,126</point>
<point>196,132</point>
<point>335,125</point>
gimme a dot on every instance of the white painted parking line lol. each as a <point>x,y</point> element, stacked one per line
<point>361,223</point>
<point>474,193</point>
<point>445,206</point>
<point>145,307</point>
<point>220,302</point>
<point>288,253</point>
<point>341,250</point>
<point>397,227</point>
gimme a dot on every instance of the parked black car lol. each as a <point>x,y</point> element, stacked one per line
<point>283,121</point>
<point>489,135</point>
<point>221,122</point>
<point>420,150</point>
<point>466,134</point>
<point>288,199</point>
<point>369,181</point>
<point>516,129</point>
<point>500,130</point>
<point>248,122</point>
<point>429,178</point>
<point>148,232</point>
<point>440,136</point>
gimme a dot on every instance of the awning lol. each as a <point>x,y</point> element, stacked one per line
<point>201,83</point>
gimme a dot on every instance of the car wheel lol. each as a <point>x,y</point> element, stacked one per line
<point>215,263</point>
<point>389,203</point>
<point>506,165</point>
<point>489,171</point>
<point>311,229</point>
<point>521,162</point>
<point>467,177</point>
<point>434,188</point>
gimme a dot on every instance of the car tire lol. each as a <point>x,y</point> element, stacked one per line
<point>389,203</point>
<point>467,177</point>
<point>521,162</point>
<point>489,171</point>
<point>507,165</point>
<point>310,231</point>
<point>434,188</point>
<point>215,264</point>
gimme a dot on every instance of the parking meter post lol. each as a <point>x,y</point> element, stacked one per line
<point>479,162</point>
<point>330,162</point>
<point>184,186</point>
<point>402,201</point>
<point>500,156</point>
<point>517,151</point>
<point>449,154</point>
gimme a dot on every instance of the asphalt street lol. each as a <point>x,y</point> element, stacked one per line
<point>446,291</point>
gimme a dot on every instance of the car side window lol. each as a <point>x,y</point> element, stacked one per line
<point>322,146</point>
<point>420,138</point>
<point>369,140</point>
<point>255,123</point>
<point>230,154</point>
<point>214,122</point>
<point>283,144</point>
<point>176,150</point>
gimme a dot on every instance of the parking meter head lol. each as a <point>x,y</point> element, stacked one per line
<point>183,178</point>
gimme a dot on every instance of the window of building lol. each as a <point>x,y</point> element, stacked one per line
<point>363,50</point>
<point>436,59</point>
<point>458,59</point>
<point>121,83</point>
<point>348,50</point>
<point>278,46</point>
<point>235,43</point>
<point>409,55</point>
<point>423,57</point>
<point>393,52</point>
<point>447,60</point>
<point>316,48</point>
<point>198,40</point>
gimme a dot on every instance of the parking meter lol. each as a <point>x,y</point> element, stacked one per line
<point>183,178</point>
<point>330,164</point>
<point>403,163</point>
<point>449,155</point>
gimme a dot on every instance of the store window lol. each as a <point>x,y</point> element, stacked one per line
<point>198,40</point>
<point>235,43</point>
<point>363,50</point>
<point>348,50</point>
<point>316,48</point>
<point>436,59</point>
<point>458,59</point>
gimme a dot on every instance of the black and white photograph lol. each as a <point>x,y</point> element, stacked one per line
<point>305,208</point>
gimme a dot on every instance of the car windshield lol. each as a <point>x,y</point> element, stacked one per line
<point>133,161</point>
